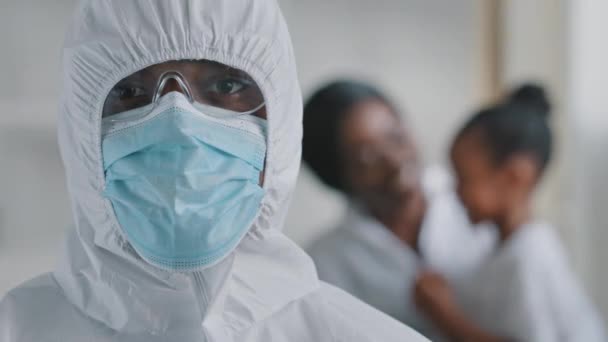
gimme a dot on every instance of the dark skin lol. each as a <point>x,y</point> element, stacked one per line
<point>498,193</point>
<point>209,83</point>
<point>381,168</point>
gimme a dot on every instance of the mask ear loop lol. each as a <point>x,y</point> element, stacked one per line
<point>162,83</point>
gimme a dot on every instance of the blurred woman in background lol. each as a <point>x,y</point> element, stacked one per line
<point>402,217</point>
<point>525,290</point>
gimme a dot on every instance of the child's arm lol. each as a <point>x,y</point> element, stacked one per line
<point>434,297</point>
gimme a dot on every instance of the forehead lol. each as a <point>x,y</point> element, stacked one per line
<point>469,151</point>
<point>370,119</point>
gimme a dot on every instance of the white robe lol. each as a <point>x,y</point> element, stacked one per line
<point>267,288</point>
<point>364,258</point>
<point>527,292</point>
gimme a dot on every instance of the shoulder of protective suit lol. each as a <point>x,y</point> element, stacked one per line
<point>31,309</point>
<point>18,307</point>
<point>334,315</point>
<point>362,322</point>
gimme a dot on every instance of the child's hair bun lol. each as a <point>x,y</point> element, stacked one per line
<point>533,97</point>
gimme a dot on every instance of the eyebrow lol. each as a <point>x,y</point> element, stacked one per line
<point>137,77</point>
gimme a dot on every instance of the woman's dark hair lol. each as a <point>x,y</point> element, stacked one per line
<point>324,113</point>
<point>517,125</point>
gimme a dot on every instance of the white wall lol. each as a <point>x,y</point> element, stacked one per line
<point>422,52</point>
<point>34,208</point>
<point>587,74</point>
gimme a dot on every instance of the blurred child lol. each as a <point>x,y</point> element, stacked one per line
<point>526,290</point>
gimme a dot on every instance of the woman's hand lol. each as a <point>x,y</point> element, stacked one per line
<point>434,296</point>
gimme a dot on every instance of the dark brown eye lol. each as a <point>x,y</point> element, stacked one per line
<point>228,86</point>
<point>127,93</point>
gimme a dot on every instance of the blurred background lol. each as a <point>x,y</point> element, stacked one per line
<point>438,60</point>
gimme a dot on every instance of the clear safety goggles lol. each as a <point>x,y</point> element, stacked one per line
<point>223,91</point>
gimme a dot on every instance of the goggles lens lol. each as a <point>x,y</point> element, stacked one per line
<point>205,82</point>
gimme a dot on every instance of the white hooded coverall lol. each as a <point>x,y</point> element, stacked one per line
<point>267,288</point>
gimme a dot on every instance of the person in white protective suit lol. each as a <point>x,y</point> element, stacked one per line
<point>180,128</point>
<point>403,218</point>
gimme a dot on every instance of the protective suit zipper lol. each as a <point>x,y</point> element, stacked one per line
<point>202,299</point>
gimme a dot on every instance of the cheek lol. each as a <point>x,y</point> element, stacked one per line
<point>487,199</point>
<point>262,178</point>
<point>480,199</point>
<point>360,181</point>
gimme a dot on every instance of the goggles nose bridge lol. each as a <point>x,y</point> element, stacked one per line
<point>164,86</point>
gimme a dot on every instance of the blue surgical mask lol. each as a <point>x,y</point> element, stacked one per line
<point>184,184</point>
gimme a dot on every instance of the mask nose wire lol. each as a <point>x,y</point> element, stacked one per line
<point>165,78</point>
